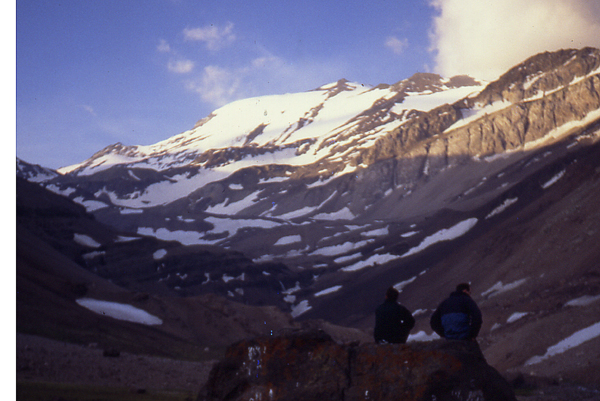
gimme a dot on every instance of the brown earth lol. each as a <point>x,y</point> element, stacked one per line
<point>43,360</point>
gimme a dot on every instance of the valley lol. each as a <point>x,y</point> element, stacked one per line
<point>302,214</point>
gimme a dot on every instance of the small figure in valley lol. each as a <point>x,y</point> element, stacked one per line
<point>458,317</point>
<point>393,321</point>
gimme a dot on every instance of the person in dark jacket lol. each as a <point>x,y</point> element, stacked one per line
<point>458,317</point>
<point>393,321</point>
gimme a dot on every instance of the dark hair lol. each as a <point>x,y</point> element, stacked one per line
<point>392,294</point>
<point>462,287</point>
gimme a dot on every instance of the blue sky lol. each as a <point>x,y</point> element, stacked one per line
<point>91,73</point>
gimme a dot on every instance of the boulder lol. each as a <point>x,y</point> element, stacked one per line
<point>310,365</point>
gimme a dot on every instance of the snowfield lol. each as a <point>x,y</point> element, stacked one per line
<point>299,129</point>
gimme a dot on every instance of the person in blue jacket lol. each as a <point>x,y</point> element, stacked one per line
<point>393,321</point>
<point>458,317</point>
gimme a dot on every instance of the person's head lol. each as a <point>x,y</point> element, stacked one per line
<point>464,288</point>
<point>391,294</point>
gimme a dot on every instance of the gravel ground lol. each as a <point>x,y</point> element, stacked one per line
<point>561,393</point>
<point>42,360</point>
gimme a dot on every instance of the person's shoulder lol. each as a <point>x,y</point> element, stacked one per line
<point>382,306</point>
<point>468,300</point>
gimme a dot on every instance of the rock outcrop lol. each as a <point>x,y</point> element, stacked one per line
<point>309,365</point>
<point>531,100</point>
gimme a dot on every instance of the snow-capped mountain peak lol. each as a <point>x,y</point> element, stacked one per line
<point>344,149</point>
<point>330,122</point>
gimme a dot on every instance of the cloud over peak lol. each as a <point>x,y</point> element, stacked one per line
<point>180,66</point>
<point>213,36</point>
<point>396,45</point>
<point>163,46</point>
<point>484,38</point>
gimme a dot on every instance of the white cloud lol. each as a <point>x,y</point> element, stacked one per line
<point>180,66</point>
<point>163,46</point>
<point>214,37</point>
<point>256,72</point>
<point>89,109</point>
<point>396,45</point>
<point>217,86</point>
<point>484,38</point>
<point>267,74</point>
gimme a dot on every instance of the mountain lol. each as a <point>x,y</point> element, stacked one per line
<point>316,202</point>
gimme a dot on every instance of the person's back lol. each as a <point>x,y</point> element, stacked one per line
<point>458,317</point>
<point>393,322</point>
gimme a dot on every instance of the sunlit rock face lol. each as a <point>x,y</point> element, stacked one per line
<point>311,366</point>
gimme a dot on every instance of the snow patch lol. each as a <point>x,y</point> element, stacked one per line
<point>292,290</point>
<point>422,336</point>
<point>563,130</point>
<point>400,286</point>
<point>348,258</point>
<point>328,290</point>
<point>297,213</point>
<point>444,235</point>
<point>90,205</point>
<point>500,288</point>
<point>300,308</point>
<point>516,316</point>
<point>376,233</point>
<point>477,112</point>
<point>576,339</point>
<point>290,239</point>
<point>554,179</point>
<point>232,208</point>
<point>86,240</point>
<point>92,255</point>
<point>502,207</point>
<point>122,238</point>
<point>53,188</point>
<point>340,249</point>
<point>119,311</point>
<point>183,237</point>
<point>583,301</point>
<point>131,211</point>
<point>158,255</point>
<point>343,214</point>
<point>372,261</point>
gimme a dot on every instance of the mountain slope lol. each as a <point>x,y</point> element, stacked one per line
<point>52,279</point>
<point>327,173</point>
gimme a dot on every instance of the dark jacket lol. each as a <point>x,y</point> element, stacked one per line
<point>393,322</point>
<point>457,318</point>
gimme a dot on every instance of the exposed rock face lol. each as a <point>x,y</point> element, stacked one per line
<point>311,366</point>
<point>541,94</point>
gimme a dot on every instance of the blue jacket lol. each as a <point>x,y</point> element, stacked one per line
<point>457,318</point>
<point>393,322</point>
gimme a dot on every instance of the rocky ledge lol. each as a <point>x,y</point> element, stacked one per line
<point>310,365</point>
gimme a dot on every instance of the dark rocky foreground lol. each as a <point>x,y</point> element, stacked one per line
<point>41,360</point>
<point>309,365</point>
